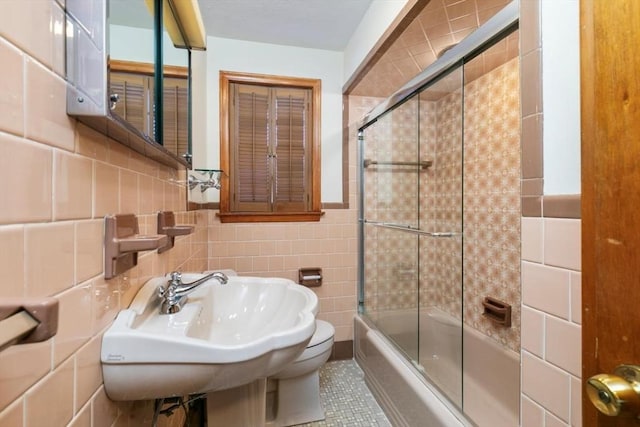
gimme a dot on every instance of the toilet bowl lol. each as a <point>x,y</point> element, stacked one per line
<point>298,385</point>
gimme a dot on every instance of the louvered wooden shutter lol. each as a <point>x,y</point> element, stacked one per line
<point>270,155</point>
<point>133,97</point>
<point>251,184</point>
<point>175,115</point>
<point>291,146</point>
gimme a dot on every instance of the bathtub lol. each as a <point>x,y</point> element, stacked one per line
<point>488,385</point>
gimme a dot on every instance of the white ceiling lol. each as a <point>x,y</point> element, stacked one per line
<point>317,24</point>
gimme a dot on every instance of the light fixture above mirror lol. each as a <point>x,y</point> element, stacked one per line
<point>183,22</point>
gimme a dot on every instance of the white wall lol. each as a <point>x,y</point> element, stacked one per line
<point>261,58</point>
<point>561,95</point>
<point>375,22</point>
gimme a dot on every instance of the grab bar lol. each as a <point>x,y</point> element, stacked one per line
<point>423,164</point>
<point>411,229</point>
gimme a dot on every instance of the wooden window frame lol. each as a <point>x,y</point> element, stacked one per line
<point>314,213</point>
<point>147,68</point>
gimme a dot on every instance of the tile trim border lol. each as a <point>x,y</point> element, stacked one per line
<point>560,206</point>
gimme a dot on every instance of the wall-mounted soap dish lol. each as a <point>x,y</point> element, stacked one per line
<point>497,311</point>
<point>167,225</point>
<point>122,242</point>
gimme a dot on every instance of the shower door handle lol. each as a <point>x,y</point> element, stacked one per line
<point>617,394</point>
<point>443,234</point>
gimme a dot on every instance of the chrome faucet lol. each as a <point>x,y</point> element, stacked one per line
<point>174,294</point>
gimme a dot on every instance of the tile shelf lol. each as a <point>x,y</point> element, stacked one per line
<point>122,242</point>
<point>167,226</point>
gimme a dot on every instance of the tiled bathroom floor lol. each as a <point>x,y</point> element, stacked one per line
<point>347,400</point>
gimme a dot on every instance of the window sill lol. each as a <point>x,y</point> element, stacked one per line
<point>270,217</point>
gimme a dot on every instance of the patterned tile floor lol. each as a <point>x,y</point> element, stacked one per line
<point>347,400</point>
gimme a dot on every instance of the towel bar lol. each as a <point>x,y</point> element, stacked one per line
<point>25,321</point>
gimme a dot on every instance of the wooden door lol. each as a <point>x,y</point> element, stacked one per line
<point>610,88</point>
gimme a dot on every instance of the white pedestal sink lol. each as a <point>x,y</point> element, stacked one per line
<point>224,337</point>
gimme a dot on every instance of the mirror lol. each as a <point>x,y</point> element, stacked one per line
<point>132,80</point>
<point>121,67</point>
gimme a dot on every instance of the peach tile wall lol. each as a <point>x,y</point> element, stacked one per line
<point>551,279</point>
<point>551,319</point>
<point>58,179</point>
<point>280,249</point>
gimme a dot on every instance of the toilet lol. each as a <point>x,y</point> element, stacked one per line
<point>297,387</point>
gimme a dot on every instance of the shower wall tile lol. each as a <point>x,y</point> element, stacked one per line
<point>12,259</point>
<point>89,241</point>
<point>72,186</point>
<point>43,277</point>
<point>74,322</point>
<point>531,83</point>
<point>562,243</point>
<point>91,143</point>
<point>568,357</point>
<point>554,294</point>
<point>104,412</point>
<point>28,26</point>
<point>128,191</point>
<point>107,190</point>
<point>532,239</point>
<point>13,415</point>
<point>546,288</point>
<point>530,26</point>
<point>51,401</point>
<point>492,199</point>
<point>45,122</point>
<point>83,417</point>
<point>533,328</point>
<point>532,157</point>
<point>88,371</point>
<point>20,368</point>
<point>532,413</point>
<point>12,90</point>
<point>552,421</point>
<point>546,384</point>
<point>576,297</point>
<point>576,402</point>
<point>25,195</point>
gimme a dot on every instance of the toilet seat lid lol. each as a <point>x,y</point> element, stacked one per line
<point>324,332</point>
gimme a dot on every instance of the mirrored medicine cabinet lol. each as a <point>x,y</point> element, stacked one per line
<point>128,72</point>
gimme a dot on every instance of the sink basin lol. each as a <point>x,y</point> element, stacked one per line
<point>224,336</point>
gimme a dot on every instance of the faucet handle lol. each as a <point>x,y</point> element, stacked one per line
<point>174,281</point>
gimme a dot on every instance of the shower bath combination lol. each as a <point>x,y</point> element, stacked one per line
<point>439,254</point>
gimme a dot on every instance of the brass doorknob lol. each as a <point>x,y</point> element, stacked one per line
<point>616,394</point>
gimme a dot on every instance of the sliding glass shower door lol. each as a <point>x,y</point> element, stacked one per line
<point>440,255</point>
<point>440,208</point>
<point>412,229</point>
<point>391,213</point>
